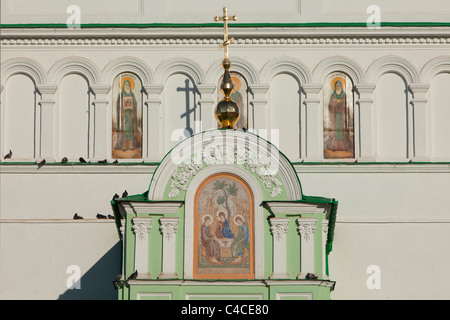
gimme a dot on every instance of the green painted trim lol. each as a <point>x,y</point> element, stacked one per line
<point>216,25</point>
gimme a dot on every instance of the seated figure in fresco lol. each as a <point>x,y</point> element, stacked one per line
<point>241,242</point>
<point>209,243</point>
<point>223,227</point>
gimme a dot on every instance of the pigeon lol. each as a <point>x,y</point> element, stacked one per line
<point>77,217</point>
<point>124,194</point>
<point>133,275</point>
<point>64,160</point>
<point>100,216</point>
<point>40,164</point>
<point>115,196</point>
<point>9,155</point>
<point>111,216</point>
<point>103,161</point>
<point>244,129</point>
<point>311,276</point>
<point>116,161</point>
<point>82,160</point>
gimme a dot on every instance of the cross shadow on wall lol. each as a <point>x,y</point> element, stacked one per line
<point>191,115</point>
<point>97,282</point>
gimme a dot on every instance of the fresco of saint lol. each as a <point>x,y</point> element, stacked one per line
<point>338,118</point>
<point>127,118</point>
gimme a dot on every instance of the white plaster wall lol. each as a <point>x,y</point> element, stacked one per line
<point>179,11</point>
<point>389,215</point>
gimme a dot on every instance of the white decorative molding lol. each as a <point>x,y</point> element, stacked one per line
<point>142,227</point>
<point>434,67</point>
<point>392,64</point>
<point>77,65</point>
<point>22,65</point>
<point>159,207</point>
<point>169,227</point>
<point>286,207</point>
<point>306,228</point>
<point>211,37</point>
<point>279,228</point>
<point>242,156</point>
<point>178,65</point>
<point>215,141</point>
<point>288,65</point>
<point>239,65</point>
<point>341,64</point>
<point>127,64</point>
<point>325,227</point>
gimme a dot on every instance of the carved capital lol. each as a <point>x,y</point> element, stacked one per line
<point>169,227</point>
<point>279,227</point>
<point>306,227</point>
<point>141,227</point>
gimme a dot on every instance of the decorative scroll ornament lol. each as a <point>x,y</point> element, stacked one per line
<point>238,155</point>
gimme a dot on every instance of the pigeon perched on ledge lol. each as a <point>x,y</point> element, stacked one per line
<point>311,276</point>
<point>64,160</point>
<point>8,155</point>
<point>100,216</point>
<point>40,164</point>
<point>77,217</point>
<point>82,160</point>
<point>133,275</point>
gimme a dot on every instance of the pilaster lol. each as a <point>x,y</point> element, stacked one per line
<point>314,126</point>
<point>151,123</point>
<point>142,227</point>
<point>259,103</point>
<point>306,228</point>
<point>324,248</point>
<point>366,120</point>
<point>279,228</point>
<point>207,105</point>
<point>102,127</point>
<point>169,227</point>
<point>47,146</point>
<point>422,136</point>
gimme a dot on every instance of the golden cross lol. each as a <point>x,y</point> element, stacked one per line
<point>226,41</point>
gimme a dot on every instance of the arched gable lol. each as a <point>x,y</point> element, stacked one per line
<point>273,171</point>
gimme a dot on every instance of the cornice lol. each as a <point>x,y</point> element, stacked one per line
<point>210,36</point>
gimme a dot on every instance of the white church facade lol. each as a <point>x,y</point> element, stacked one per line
<point>358,108</point>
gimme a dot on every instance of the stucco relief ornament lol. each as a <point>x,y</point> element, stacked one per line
<point>169,229</point>
<point>307,230</point>
<point>279,230</point>
<point>141,229</point>
<point>239,155</point>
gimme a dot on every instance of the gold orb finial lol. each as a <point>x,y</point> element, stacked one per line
<point>227,111</point>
